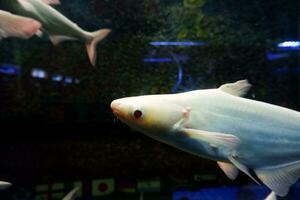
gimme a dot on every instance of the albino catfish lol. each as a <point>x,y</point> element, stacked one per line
<point>56,25</point>
<point>17,26</point>
<point>238,133</point>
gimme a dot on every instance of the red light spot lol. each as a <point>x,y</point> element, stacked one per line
<point>103,187</point>
<point>138,114</point>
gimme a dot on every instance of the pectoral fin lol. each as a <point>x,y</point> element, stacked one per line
<point>239,88</point>
<point>230,170</point>
<point>279,178</point>
<point>56,39</point>
<point>212,138</point>
<point>181,124</point>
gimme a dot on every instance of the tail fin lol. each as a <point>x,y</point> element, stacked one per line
<point>92,44</point>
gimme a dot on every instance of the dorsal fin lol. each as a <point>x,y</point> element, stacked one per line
<point>239,88</point>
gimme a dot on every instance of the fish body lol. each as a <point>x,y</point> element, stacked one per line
<point>17,26</point>
<point>72,194</point>
<point>52,2</point>
<point>57,26</point>
<point>4,185</point>
<point>238,133</point>
<point>268,130</point>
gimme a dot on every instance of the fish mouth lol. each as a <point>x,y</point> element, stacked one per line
<point>116,114</point>
<point>118,117</point>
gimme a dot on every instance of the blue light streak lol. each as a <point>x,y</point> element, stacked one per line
<point>68,80</point>
<point>9,69</point>
<point>157,60</point>
<point>290,45</point>
<point>162,43</point>
<point>277,56</point>
<point>38,73</point>
<point>179,75</point>
<point>57,77</point>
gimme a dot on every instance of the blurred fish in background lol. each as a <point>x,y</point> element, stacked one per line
<point>17,26</point>
<point>52,2</point>
<point>4,185</point>
<point>72,194</point>
<point>57,26</point>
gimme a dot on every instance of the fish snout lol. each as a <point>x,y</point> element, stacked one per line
<point>115,106</point>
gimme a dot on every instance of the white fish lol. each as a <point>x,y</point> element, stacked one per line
<point>16,26</point>
<point>51,2</point>
<point>71,194</point>
<point>271,196</point>
<point>57,26</point>
<point>238,133</point>
<point>4,185</point>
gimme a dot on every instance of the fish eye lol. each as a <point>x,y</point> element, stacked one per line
<point>137,114</point>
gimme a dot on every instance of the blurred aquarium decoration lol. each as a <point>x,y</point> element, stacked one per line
<point>57,128</point>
